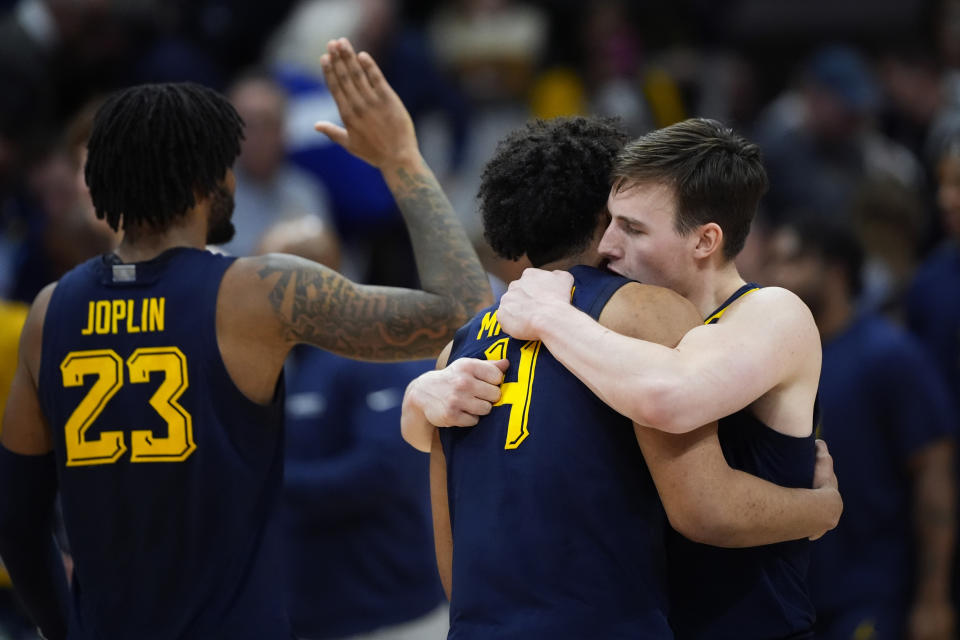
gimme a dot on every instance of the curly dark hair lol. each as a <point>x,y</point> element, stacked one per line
<point>547,183</point>
<point>155,148</point>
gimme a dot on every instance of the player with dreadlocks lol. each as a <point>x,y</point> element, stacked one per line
<point>155,400</point>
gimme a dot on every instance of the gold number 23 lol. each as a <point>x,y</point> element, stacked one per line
<point>107,366</point>
<point>516,394</point>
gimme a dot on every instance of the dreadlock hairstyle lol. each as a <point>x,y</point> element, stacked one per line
<point>155,149</point>
<point>546,186</point>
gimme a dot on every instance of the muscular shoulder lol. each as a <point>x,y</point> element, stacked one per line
<point>778,317</point>
<point>650,313</point>
<point>775,306</point>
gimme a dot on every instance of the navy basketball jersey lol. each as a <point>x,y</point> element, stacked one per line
<point>557,526</point>
<point>755,593</point>
<point>168,473</point>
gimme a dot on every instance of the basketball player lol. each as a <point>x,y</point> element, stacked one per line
<point>547,522</point>
<point>681,206</point>
<point>149,381</point>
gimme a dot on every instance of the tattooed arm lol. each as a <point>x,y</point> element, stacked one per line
<point>313,304</point>
<point>317,305</point>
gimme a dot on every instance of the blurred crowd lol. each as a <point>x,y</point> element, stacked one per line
<point>855,106</point>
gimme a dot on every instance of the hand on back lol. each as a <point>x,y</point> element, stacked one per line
<point>460,394</point>
<point>825,478</point>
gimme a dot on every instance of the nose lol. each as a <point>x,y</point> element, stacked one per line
<point>609,244</point>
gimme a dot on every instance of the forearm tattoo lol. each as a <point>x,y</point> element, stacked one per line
<point>319,306</point>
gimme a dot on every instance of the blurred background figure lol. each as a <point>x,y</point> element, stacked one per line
<point>62,229</point>
<point>269,187</point>
<point>820,140</point>
<point>355,519</point>
<point>933,301</point>
<point>885,571</point>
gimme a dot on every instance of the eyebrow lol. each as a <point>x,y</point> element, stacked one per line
<point>629,220</point>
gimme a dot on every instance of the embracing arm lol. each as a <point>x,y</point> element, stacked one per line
<point>28,475</point>
<point>704,498</point>
<point>711,503</point>
<point>671,389</point>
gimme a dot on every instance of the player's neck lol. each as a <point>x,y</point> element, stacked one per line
<point>142,244</point>
<point>713,286</point>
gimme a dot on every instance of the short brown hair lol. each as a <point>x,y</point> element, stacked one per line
<point>717,176</point>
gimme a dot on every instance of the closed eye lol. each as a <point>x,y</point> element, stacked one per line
<point>631,229</point>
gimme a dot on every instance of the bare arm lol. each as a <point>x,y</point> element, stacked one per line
<point>442,531</point>
<point>317,305</point>
<point>934,497</point>
<point>28,473</point>
<point>773,341</point>
<point>269,303</point>
<point>710,503</point>
<point>705,499</point>
<point>380,131</point>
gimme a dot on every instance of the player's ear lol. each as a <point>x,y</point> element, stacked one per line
<point>709,240</point>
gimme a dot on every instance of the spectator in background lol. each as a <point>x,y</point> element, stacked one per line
<point>269,188</point>
<point>933,300</point>
<point>376,246</point>
<point>63,228</point>
<point>355,516</point>
<point>820,141</point>
<point>884,572</point>
<point>889,219</point>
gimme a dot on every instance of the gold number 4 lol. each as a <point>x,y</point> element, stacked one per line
<point>108,367</point>
<point>516,394</point>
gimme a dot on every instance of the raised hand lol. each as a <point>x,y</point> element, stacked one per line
<point>377,127</point>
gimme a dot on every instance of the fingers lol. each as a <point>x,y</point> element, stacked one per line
<point>345,93</point>
<point>487,371</point>
<point>355,72</point>
<point>821,448</point>
<point>374,76</point>
<point>332,131</point>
